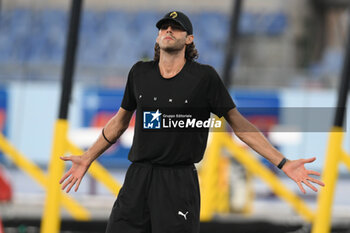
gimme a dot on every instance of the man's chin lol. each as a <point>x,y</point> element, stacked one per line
<point>171,49</point>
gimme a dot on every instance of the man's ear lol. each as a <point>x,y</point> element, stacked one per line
<point>189,39</point>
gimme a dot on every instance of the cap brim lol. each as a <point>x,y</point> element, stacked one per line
<point>162,21</point>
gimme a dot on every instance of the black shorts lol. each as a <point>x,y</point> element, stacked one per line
<point>157,199</point>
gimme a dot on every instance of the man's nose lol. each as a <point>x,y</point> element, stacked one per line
<point>169,29</point>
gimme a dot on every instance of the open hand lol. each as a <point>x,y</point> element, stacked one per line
<point>295,170</point>
<point>75,173</point>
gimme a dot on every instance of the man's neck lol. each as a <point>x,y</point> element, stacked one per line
<point>171,64</point>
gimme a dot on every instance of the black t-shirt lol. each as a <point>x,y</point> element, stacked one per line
<point>196,88</point>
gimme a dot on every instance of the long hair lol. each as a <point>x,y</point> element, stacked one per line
<point>191,52</point>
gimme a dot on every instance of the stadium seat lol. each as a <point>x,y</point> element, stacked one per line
<point>116,38</point>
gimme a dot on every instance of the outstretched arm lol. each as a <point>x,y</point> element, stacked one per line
<point>249,134</point>
<point>80,164</point>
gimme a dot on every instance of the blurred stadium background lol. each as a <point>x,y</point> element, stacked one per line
<point>287,67</point>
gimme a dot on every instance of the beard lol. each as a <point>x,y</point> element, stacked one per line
<point>173,48</point>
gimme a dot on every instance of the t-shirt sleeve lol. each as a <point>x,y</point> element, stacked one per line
<point>220,101</point>
<point>129,100</point>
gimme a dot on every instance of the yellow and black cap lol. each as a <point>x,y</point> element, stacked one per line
<point>179,18</point>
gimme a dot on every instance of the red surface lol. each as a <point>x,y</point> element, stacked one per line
<point>1,227</point>
<point>5,187</point>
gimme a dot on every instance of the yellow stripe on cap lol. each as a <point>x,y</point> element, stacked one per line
<point>173,14</point>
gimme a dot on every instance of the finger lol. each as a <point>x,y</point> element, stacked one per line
<point>71,185</point>
<point>309,160</point>
<point>65,176</point>
<point>315,181</point>
<point>301,187</point>
<point>67,182</point>
<point>310,185</point>
<point>314,173</point>
<point>77,185</point>
<point>66,158</point>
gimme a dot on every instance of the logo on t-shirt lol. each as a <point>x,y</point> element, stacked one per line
<point>184,121</point>
<point>151,119</point>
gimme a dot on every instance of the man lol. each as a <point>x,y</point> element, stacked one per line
<point>160,193</point>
